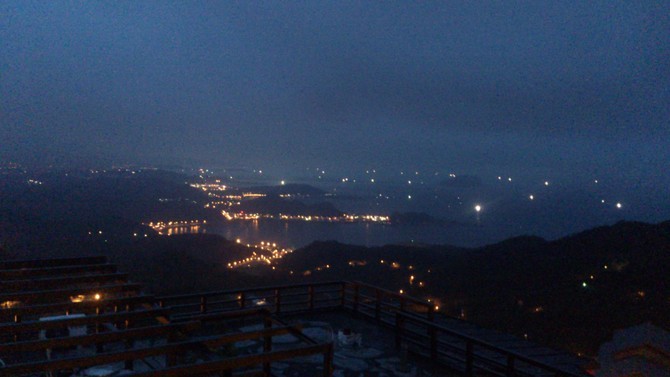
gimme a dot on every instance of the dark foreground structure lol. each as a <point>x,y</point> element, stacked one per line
<point>81,317</point>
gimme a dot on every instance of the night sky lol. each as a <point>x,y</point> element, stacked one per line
<point>574,89</point>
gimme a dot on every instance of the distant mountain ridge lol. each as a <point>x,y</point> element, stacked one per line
<point>571,292</point>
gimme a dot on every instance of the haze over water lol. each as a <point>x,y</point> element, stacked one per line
<point>548,209</point>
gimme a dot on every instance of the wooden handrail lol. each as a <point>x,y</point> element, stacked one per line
<point>245,290</point>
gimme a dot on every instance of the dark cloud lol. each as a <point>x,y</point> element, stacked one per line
<point>343,83</point>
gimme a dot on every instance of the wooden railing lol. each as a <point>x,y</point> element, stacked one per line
<point>466,353</point>
<point>414,322</point>
<point>382,304</point>
<point>417,327</point>
<point>122,325</point>
<point>277,299</point>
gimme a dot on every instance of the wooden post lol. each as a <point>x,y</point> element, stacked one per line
<point>356,297</point>
<point>128,364</point>
<point>328,361</point>
<point>171,358</point>
<point>378,300</point>
<point>431,313</point>
<point>277,301</point>
<point>343,292</point>
<point>433,342</point>
<point>469,359</point>
<point>17,319</point>
<point>311,297</point>
<point>510,366</point>
<point>203,304</point>
<point>267,344</point>
<point>99,347</point>
<point>243,299</point>
<point>399,324</point>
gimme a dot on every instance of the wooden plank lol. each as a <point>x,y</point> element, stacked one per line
<point>222,315</point>
<point>76,307</point>
<point>107,337</point>
<point>60,294</point>
<point>8,286</point>
<point>32,326</point>
<point>171,348</point>
<point>58,271</point>
<point>249,335</point>
<point>40,263</point>
<point>246,290</point>
<point>236,362</point>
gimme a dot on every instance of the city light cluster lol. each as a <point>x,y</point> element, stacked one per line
<point>331,219</point>
<point>173,227</point>
<point>267,252</point>
<point>209,186</point>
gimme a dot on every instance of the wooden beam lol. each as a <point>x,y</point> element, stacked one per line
<point>106,337</point>
<point>76,307</point>
<point>223,315</point>
<point>32,326</point>
<point>39,263</point>
<point>236,362</point>
<point>140,353</point>
<point>8,286</point>
<point>57,271</point>
<point>56,294</point>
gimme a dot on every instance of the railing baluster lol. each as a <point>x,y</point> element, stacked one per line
<point>433,341</point>
<point>469,358</point>
<point>410,310</point>
<point>510,366</point>
<point>328,361</point>
<point>378,299</point>
<point>311,297</point>
<point>399,324</point>
<point>267,344</point>
<point>356,297</point>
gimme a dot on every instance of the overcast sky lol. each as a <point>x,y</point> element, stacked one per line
<point>469,86</point>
